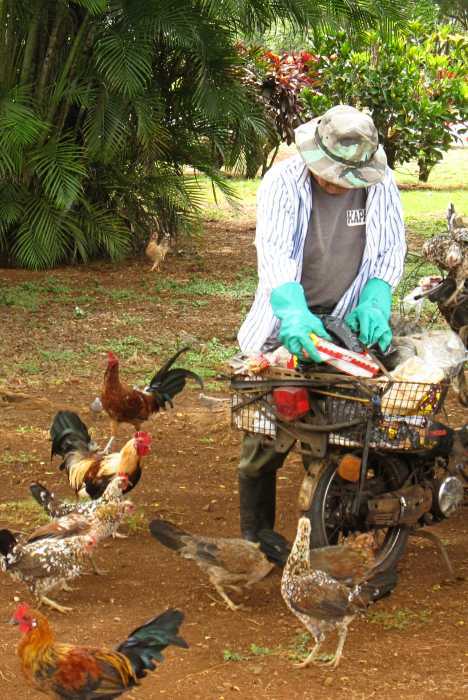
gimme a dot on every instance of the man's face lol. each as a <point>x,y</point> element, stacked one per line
<point>329,187</point>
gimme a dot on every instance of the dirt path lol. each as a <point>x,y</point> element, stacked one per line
<point>413,644</point>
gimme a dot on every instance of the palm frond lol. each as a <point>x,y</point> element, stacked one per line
<point>19,123</point>
<point>124,60</point>
<point>42,239</point>
<point>59,165</point>
<point>107,127</point>
<point>103,231</point>
<point>94,7</point>
<point>150,130</point>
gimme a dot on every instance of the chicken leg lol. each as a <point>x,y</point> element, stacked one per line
<point>231,605</point>
<point>114,429</point>
<point>54,605</point>
<point>342,634</point>
<point>312,656</point>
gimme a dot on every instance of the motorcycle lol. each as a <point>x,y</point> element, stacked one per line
<point>375,457</point>
<point>449,252</point>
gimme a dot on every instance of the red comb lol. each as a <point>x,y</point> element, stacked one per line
<point>144,437</point>
<point>112,357</point>
<point>21,611</point>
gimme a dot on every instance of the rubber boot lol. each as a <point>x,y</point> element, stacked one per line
<point>257,498</point>
<point>267,501</point>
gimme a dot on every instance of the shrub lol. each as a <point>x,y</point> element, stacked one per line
<point>413,86</point>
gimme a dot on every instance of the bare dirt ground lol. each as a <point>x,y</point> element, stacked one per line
<point>413,643</point>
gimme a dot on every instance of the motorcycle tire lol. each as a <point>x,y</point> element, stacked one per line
<point>396,538</point>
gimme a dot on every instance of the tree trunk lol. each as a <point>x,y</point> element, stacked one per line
<point>424,170</point>
<point>51,49</point>
<point>30,46</point>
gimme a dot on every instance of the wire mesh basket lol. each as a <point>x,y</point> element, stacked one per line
<point>252,411</point>
<point>397,412</point>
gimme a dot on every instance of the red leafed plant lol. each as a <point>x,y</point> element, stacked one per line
<point>283,79</point>
<point>277,81</point>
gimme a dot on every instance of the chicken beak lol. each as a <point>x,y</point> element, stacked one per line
<point>13,621</point>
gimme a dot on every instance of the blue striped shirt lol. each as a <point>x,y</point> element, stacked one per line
<point>284,205</point>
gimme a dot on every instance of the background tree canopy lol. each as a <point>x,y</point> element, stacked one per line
<point>106,105</point>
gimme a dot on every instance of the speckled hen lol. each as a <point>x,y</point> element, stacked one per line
<point>56,509</point>
<point>45,564</point>
<point>317,599</point>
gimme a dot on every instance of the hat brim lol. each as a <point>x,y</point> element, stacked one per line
<point>321,164</point>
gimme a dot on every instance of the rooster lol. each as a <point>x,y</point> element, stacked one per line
<point>126,405</point>
<point>317,599</point>
<point>89,673</point>
<point>228,562</point>
<point>45,564</point>
<point>89,472</point>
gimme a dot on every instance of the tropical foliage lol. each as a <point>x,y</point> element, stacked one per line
<point>275,82</point>
<point>108,106</point>
<point>414,86</point>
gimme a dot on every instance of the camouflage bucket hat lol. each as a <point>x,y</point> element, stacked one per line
<point>342,147</point>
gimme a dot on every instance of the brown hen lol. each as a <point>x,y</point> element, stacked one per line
<point>228,562</point>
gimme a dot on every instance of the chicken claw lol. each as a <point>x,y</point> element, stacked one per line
<point>66,587</point>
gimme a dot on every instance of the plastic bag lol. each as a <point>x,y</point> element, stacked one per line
<point>441,349</point>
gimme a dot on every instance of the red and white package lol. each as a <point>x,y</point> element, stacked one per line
<point>358,364</point>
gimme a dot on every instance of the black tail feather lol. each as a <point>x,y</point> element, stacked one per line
<point>68,433</point>
<point>144,645</point>
<point>161,373</point>
<point>380,585</point>
<point>7,542</point>
<point>43,497</point>
<point>274,546</point>
<point>168,534</point>
<point>168,382</point>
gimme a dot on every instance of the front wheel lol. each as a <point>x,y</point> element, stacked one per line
<point>331,516</point>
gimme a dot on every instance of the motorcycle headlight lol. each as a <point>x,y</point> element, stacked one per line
<point>450,495</point>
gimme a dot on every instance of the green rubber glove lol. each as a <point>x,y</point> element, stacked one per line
<point>371,316</point>
<point>297,322</point>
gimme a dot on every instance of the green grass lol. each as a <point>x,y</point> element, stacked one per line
<point>254,650</point>
<point>29,367</point>
<point>229,655</point>
<point>243,287</point>
<point>122,294</point>
<point>57,356</point>
<point>15,457</point>
<point>20,296</point>
<point>261,651</point>
<point>30,295</point>
<point>398,619</point>
<point>425,211</point>
<point>137,522</point>
<point>209,358</point>
<point>451,171</point>
<point>22,512</point>
<point>301,646</point>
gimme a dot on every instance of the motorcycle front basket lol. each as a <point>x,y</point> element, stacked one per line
<point>252,410</point>
<point>399,413</point>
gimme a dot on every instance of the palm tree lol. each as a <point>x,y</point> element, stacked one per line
<point>105,103</point>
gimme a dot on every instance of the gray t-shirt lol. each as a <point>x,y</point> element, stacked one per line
<point>333,247</point>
